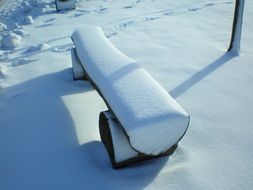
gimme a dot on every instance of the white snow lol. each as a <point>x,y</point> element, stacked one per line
<point>153,121</point>
<point>49,137</point>
<point>3,27</point>
<point>11,40</point>
<point>28,20</point>
<point>3,71</point>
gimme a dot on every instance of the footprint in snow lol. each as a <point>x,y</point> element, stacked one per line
<point>111,34</point>
<point>22,61</point>
<point>102,10</point>
<point>78,14</point>
<point>125,24</point>
<point>150,18</point>
<point>40,47</point>
<point>44,25</point>
<point>194,9</point>
<point>228,2</point>
<point>49,20</point>
<point>128,7</point>
<point>209,4</point>
<point>81,13</point>
<point>61,49</point>
<point>168,13</point>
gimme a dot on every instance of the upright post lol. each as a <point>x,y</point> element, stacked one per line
<point>237,27</point>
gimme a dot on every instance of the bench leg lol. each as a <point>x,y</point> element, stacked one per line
<point>78,70</point>
<point>118,148</point>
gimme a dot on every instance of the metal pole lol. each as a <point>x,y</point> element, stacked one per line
<point>237,27</point>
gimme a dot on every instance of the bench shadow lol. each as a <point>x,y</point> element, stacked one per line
<point>100,173</point>
<point>197,77</point>
<point>39,144</point>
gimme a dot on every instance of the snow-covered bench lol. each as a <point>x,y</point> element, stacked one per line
<point>143,121</point>
<point>65,4</point>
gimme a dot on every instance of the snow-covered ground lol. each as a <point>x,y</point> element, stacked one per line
<point>49,123</point>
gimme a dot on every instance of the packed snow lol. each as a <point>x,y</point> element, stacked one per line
<point>152,119</point>
<point>49,137</point>
<point>11,40</point>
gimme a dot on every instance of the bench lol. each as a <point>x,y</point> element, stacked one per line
<point>143,121</point>
<point>65,4</point>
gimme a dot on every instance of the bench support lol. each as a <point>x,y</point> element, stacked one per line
<point>106,125</point>
<point>78,70</point>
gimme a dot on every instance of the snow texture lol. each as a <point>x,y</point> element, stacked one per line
<point>152,119</point>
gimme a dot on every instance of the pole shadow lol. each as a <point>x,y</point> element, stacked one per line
<point>197,77</point>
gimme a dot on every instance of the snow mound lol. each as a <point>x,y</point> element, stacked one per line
<point>3,27</point>
<point>3,71</point>
<point>11,40</point>
<point>43,46</point>
<point>28,20</point>
<point>26,7</point>
<point>3,55</point>
<point>152,119</point>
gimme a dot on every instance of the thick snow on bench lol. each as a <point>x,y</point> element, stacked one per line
<point>152,119</point>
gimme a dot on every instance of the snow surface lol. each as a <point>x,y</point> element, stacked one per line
<point>152,119</point>
<point>49,137</point>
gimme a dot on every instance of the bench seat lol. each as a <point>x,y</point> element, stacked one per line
<point>65,4</point>
<point>150,118</point>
